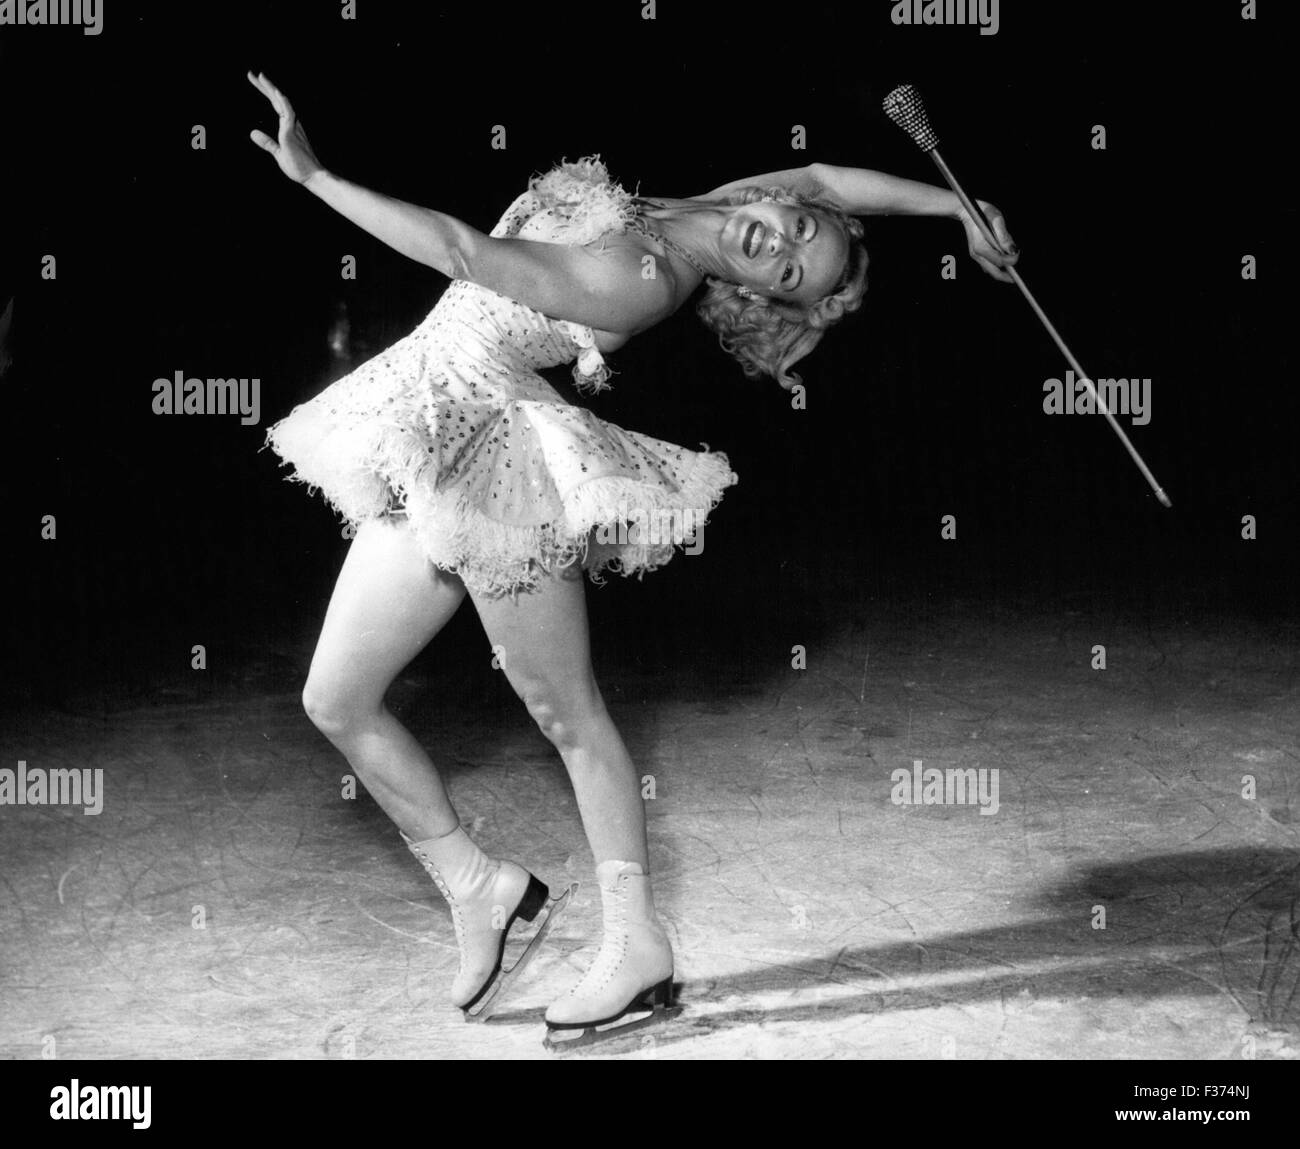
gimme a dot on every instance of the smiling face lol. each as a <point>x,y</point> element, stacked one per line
<point>785,251</point>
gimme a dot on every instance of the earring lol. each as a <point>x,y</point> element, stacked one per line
<point>746,293</point>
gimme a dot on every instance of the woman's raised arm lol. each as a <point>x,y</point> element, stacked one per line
<point>861,191</point>
<point>605,290</point>
<point>856,191</point>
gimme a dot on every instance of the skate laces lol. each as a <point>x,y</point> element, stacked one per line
<point>614,945</point>
<point>457,911</point>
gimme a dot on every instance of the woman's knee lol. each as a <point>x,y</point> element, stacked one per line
<point>335,711</point>
<point>562,715</point>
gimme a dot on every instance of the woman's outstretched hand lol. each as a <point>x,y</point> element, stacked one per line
<point>990,258</point>
<point>291,150</point>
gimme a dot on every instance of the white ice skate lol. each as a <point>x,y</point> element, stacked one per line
<point>630,984</point>
<point>487,896</point>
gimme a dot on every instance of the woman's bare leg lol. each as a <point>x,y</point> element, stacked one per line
<point>542,639</point>
<point>545,649</point>
<point>388,603</point>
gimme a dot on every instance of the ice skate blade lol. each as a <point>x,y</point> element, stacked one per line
<point>549,914</point>
<point>564,1041</point>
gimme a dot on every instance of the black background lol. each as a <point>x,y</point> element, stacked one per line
<point>174,531</point>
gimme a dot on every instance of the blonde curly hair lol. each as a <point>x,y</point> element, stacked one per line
<point>769,336</point>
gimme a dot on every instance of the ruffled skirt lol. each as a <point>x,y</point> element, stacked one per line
<point>503,493</point>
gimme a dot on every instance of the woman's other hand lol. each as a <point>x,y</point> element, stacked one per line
<point>990,258</point>
<point>291,149</point>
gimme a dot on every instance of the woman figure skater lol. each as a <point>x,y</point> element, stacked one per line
<point>465,473</point>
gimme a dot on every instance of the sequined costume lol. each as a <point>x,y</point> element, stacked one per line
<point>502,478</point>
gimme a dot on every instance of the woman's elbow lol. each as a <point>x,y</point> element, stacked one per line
<point>457,265</point>
<point>464,255</point>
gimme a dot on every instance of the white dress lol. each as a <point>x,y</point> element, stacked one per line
<point>500,477</point>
